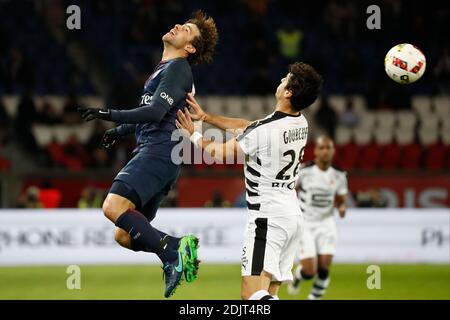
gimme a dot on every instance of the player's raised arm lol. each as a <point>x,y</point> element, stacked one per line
<point>224,123</point>
<point>217,150</point>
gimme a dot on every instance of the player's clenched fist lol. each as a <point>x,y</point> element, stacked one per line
<point>110,138</point>
<point>89,114</point>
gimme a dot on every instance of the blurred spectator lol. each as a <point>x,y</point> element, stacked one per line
<point>4,124</point>
<point>71,154</point>
<point>29,199</point>
<point>349,117</point>
<point>90,198</point>
<point>19,71</point>
<point>71,115</point>
<point>371,198</point>
<point>96,137</point>
<point>289,42</point>
<point>99,157</point>
<point>49,196</point>
<point>48,115</point>
<point>340,17</point>
<point>258,60</point>
<point>217,201</point>
<point>26,115</point>
<point>442,71</point>
<point>76,155</point>
<point>326,117</point>
<point>257,7</point>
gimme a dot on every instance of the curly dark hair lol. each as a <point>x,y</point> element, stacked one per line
<point>206,42</point>
<point>305,83</point>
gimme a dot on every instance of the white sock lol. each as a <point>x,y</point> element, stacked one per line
<point>319,288</point>
<point>259,295</point>
<point>297,272</point>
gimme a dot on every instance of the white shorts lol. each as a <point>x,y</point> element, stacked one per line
<point>318,238</point>
<point>270,244</point>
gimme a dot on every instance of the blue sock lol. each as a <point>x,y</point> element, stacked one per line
<point>143,235</point>
<point>173,242</point>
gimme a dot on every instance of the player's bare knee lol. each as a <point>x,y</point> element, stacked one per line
<point>246,294</point>
<point>114,206</point>
<point>108,209</point>
<point>121,236</point>
<point>111,209</point>
<point>308,272</point>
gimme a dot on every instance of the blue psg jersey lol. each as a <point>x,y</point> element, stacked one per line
<point>168,86</point>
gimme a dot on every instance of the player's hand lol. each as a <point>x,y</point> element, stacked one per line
<point>342,210</point>
<point>196,111</point>
<point>109,138</point>
<point>184,121</point>
<point>89,114</point>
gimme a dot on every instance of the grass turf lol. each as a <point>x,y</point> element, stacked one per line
<point>216,282</point>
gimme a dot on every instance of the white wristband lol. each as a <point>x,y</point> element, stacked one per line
<point>195,138</point>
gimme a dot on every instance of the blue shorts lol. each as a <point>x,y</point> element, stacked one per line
<point>145,181</point>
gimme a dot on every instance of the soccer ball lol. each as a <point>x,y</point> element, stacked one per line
<point>405,63</point>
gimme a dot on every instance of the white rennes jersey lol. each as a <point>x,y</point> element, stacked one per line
<point>318,190</point>
<point>274,147</point>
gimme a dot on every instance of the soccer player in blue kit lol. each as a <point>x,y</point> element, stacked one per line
<point>138,189</point>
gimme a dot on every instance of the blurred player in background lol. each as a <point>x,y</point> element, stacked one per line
<point>273,149</point>
<point>321,187</point>
<point>139,187</point>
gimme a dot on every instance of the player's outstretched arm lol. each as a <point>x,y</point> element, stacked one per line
<point>154,112</point>
<point>217,150</point>
<point>224,123</point>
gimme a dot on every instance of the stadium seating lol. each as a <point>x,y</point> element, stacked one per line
<point>411,156</point>
<point>435,156</point>
<point>382,139</point>
<point>389,156</point>
<point>368,156</point>
<point>5,164</point>
<point>347,156</point>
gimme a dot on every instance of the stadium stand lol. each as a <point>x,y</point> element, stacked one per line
<point>378,125</point>
<point>382,140</point>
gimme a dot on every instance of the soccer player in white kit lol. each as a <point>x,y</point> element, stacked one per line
<point>273,148</point>
<point>321,187</point>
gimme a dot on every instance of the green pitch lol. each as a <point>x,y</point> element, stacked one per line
<point>216,282</point>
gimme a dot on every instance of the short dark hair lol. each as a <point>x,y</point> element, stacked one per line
<point>324,137</point>
<point>206,42</point>
<point>305,83</point>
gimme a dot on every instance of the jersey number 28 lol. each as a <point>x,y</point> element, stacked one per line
<point>291,153</point>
